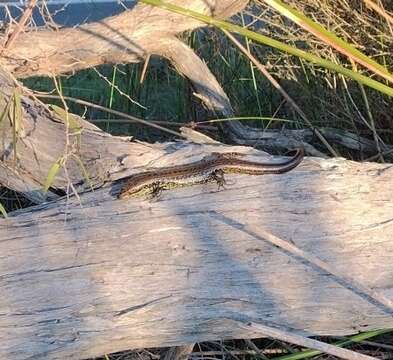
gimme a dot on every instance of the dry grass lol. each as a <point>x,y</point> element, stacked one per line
<point>380,348</point>
<point>328,98</point>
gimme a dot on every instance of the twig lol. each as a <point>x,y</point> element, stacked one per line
<point>113,85</point>
<point>375,157</point>
<point>378,9</point>
<point>301,340</point>
<point>255,348</point>
<point>115,112</point>
<point>178,352</point>
<point>144,70</point>
<point>21,25</point>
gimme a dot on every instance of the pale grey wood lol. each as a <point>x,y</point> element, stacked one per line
<point>124,38</point>
<point>83,280</point>
<point>42,141</point>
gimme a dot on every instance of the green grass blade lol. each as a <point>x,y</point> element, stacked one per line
<point>17,115</point>
<point>2,211</point>
<point>329,38</point>
<point>55,168</point>
<point>275,44</point>
<point>83,170</point>
<point>16,119</point>
<point>72,120</point>
<point>353,339</point>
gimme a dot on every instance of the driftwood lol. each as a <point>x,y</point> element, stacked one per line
<point>79,280</point>
<point>89,275</point>
<point>125,38</point>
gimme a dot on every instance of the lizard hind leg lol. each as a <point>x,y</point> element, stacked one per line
<point>155,191</point>
<point>218,177</point>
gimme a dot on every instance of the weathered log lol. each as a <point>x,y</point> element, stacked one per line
<point>79,280</point>
<point>124,38</point>
<point>42,140</point>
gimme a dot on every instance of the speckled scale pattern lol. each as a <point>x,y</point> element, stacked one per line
<point>210,168</point>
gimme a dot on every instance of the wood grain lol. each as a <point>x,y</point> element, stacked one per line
<point>82,280</point>
<point>124,38</point>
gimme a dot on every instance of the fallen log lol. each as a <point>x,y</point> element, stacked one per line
<point>82,279</point>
